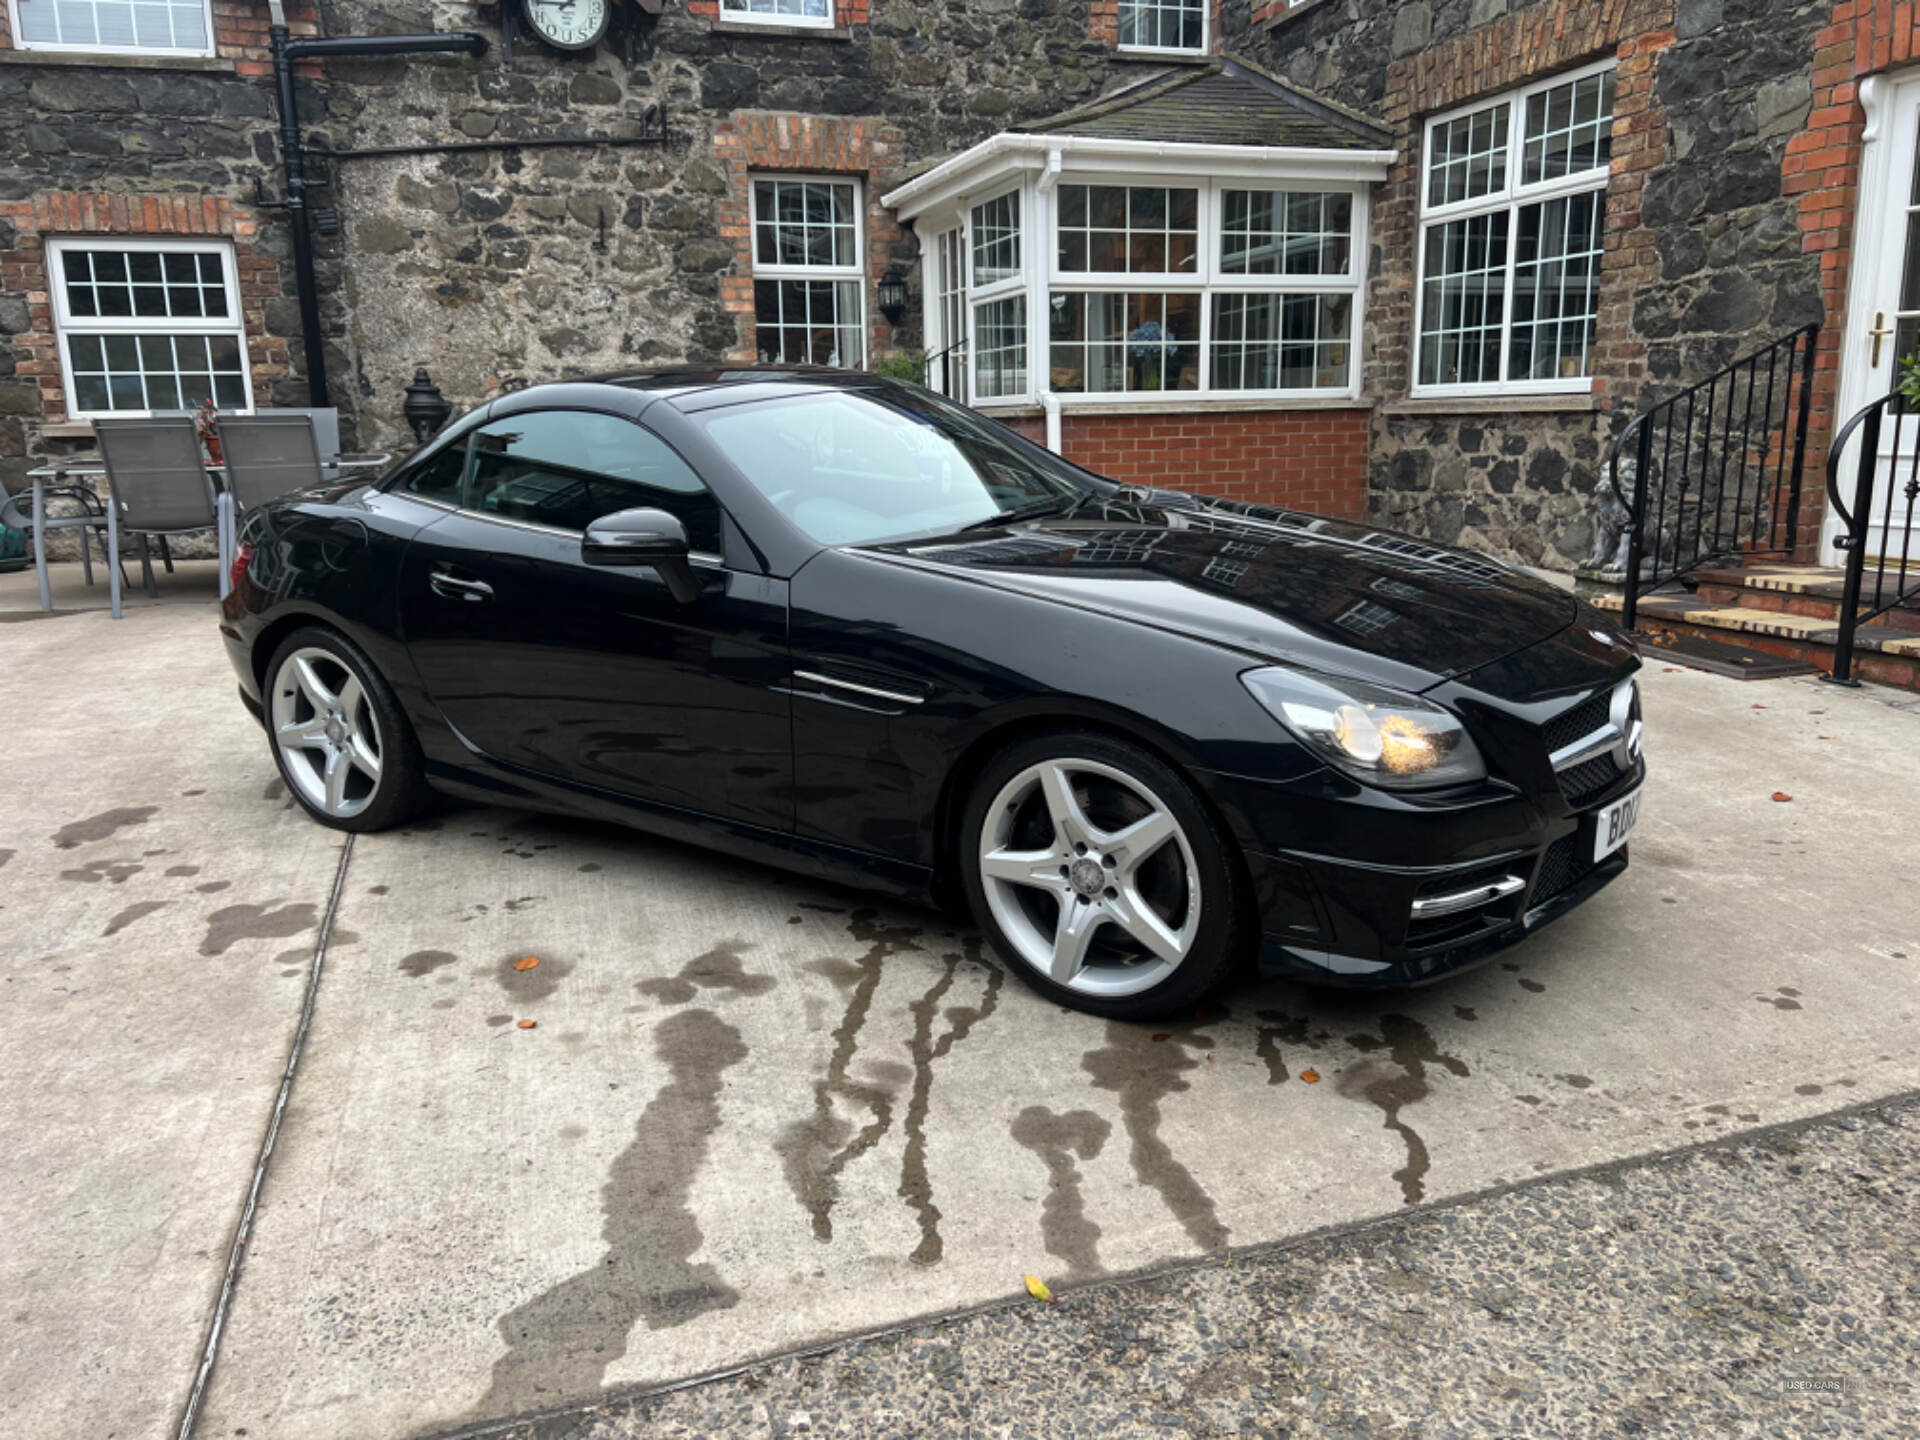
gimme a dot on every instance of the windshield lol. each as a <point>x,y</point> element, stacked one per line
<point>853,467</point>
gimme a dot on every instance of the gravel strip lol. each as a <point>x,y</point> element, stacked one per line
<point>1762,1287</point>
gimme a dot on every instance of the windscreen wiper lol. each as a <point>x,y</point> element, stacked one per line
<point>1031,511</point>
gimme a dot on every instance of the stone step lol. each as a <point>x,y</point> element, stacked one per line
<point>1882,654</point>
<point>1811,604</point>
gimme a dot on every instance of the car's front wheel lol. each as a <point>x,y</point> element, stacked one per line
<point>341,741</point>
<point>1099,874</point>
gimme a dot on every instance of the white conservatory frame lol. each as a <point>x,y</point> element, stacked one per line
<point>942,200</point>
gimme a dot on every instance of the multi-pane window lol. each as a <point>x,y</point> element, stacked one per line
<point>1104,341</point>
<point>996,240</point>
<point>1269,232</point>
<point>1000,347</point>
<point>1163,24</point>
<point>808,292</point>
<point>1129,229</point>
<point>164,27</point>
<point>150,325</point>
<point>1281,342</point>
<point>779,12</point>
<point>1515,204</point>
<point>947,366</point>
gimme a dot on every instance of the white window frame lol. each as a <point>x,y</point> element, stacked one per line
<point>750,17</point>
<point>1020,282</point>
<point>1510,199</point>
<point>1206,34</point>
<point>856,272</point>
<point>1041,277</point>
<point>21,43</point>
<point>66,325</point>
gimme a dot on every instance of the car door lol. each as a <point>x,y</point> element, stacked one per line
<point>592,675</point>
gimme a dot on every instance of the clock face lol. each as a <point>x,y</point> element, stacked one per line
<point>570,24</point>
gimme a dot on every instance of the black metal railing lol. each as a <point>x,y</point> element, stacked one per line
<point>1896,582</point>
<point>947,371</point>
<point>1717,468</point>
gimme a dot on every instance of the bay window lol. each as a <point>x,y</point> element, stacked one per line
<point>147,325</point>
<point>1513,202</point>
<point>809,290</point>
<point>997,289</point>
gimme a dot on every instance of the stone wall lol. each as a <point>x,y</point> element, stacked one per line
<point>1706,256</point>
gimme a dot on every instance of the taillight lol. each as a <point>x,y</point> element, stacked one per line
<point>240,558</point>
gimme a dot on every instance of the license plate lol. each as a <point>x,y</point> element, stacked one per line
<point>1614,824</point>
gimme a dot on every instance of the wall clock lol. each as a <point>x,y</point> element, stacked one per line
<point>568,24</point>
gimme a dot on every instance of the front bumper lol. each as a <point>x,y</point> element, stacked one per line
<point>1441,888</point>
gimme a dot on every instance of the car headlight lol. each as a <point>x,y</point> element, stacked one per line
<point>1378,735</point>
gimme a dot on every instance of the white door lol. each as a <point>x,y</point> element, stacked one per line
<point>1883,306</point>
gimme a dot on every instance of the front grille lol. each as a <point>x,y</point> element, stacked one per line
<point>1584,781</point>
<point>1578,722</point>
<point>1566,864</point>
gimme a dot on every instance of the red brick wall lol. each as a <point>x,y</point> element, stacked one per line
<point>755,140</point>
<point>1307,459</point>
<point>23,270</point>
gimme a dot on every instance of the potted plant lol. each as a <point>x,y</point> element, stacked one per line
<point>203,426</point>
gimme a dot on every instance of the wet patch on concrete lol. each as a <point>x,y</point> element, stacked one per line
<point>1534,985</point>
<point>115,872</point>
<point>1464,1012</point>
<point>1282,1029</point>
<point>1410,1048</point>
<point>376,889</point>
<point>530,987</point>
<point>272,921</point>
<point>99,827</point>
<point>183,870</point>
<point>814,1150</point>
<point>496,1021</point>
<point>1058,1140</point>
<point>6,855</point>
<point>1785,998</point>
<point>1143,1067</point>
<point>1578,1082</point>
<point>422,963</point>
<point>560,1343</point>
<point>276,789</point>
<point>916,1186</point>
<point>133,912</point>
<point>717,969</point>
<point>212,887</point>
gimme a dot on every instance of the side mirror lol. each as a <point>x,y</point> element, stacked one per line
<point>644,538</point>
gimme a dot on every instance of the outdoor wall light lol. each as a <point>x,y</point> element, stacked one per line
<point>892,294</point>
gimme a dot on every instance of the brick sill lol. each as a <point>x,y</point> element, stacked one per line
<point>217,64</point>
<point>1275,21</point>
<point>779,32</point>
<point>1499,405</point>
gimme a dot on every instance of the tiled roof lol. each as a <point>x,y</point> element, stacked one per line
<point>1223,102</point>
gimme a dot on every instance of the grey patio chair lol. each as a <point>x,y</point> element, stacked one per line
<point>326,434</point>
<point>90,519</point>
<point>157,481</point>
<point>268,455</point>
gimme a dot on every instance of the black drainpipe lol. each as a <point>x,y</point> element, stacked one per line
<point>286,50</point>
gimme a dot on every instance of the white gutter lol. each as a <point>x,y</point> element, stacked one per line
<point>1050,403</point>
<point>1036,151</point>
<point>1050,176</point>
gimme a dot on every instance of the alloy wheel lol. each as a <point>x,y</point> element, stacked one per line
<point>1090,877</point>
<point>326,733</point>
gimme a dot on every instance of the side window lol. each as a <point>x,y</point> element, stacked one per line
<point>439,478</point>
<point>567,468</point>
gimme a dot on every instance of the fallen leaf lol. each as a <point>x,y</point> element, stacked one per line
<point>1671,669</point>
<point>1823,737</point>
<point>1037,1288</point>
<point>1311,1077</point>
<point>1781,795</point>
<point>528,1024</point>
<point>1163,1035</point>
<point>526,964</point>
<point>1759,707</point>
<point>1209,1059</point>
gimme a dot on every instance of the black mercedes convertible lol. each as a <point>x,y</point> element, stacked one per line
<point>837,623</point>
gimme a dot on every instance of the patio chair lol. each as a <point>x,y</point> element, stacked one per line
<point>157,480</point>
<point>326,434</point>
<point>16,513</point>
<point>268,455</point>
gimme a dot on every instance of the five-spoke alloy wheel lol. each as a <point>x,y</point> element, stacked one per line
<point>342,745</point>
<point>1095,867</point>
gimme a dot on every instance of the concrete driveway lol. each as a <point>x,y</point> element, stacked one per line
<point>753,1113</point>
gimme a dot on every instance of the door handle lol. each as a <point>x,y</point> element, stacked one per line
<point>454,588</point>
<point>1879,333</point>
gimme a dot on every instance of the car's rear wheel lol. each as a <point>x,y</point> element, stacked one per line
<point>342,743</point>
<point>1098,873</point>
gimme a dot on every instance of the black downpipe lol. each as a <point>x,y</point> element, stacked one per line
<point>286,50</point>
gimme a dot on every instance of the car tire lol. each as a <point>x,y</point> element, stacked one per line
<point>345,749</point>
<point>1139,867</point>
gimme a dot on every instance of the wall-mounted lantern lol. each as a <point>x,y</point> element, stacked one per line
<point>892,294</point>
